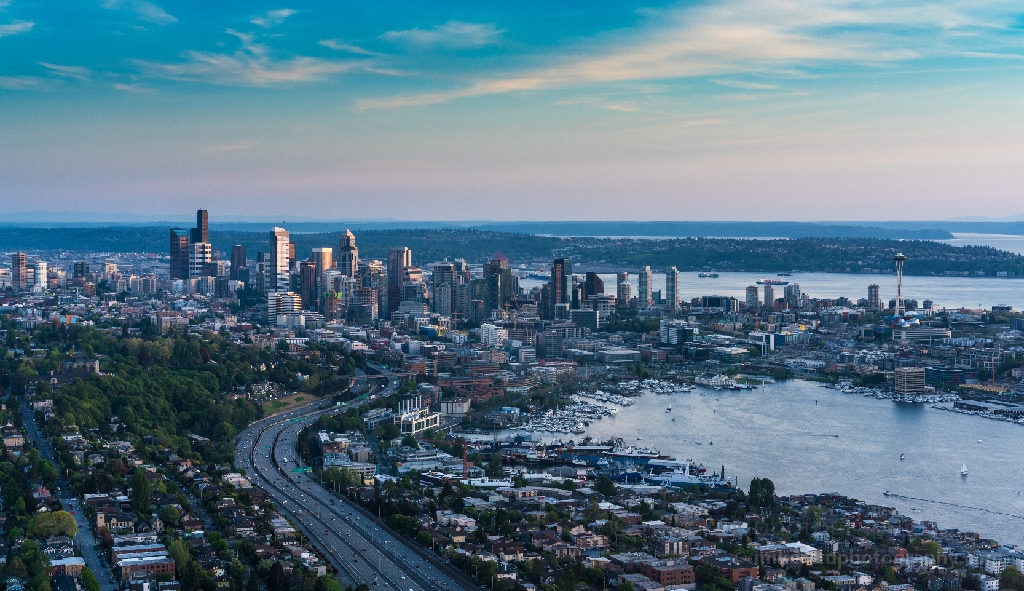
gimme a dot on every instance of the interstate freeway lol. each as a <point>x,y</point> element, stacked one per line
<point>354,542</point>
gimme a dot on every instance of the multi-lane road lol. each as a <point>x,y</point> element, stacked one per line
<point>361,550</point>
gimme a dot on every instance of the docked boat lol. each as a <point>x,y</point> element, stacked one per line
<point>685,478</point>
<point>718,382</point>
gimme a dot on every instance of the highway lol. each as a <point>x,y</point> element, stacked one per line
<point>358,547</point>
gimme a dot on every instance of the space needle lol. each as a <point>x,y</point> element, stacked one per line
<point>900,258</point>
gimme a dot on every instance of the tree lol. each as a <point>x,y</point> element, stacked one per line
<point>762,493</point>
<point>276,579</point>
<point>410,441</point>
<point>170,515</point>
<point>179,553</point>
<point>140,491</point>
<point>1011,579</point>
<point>89,580</point>
<point>56,523</point>
<point>605,485</point>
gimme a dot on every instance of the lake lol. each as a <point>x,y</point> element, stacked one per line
<point>786,432</point>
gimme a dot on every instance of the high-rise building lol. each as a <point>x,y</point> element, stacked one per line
<point>752,299</point>
<point>291,256</point>
<point>179,254</point>
<point>19,272</point>
<point>282,302</point>
<point>499,282</point>
<point>40,277</point>
<point>874,297</point>
<point>443,289</point>
<point>308,284</point>
<point>276,273</point>
<point>643,286</point>
<point>399,259</point>
<point>769,297</point>
<point>672,288</point>
<point>324,259</point>
<point>624,291</point>
<point>348,254</point>
<point>792,294</point>
<point>238,261</point>
<point>199,256</point>
<point>201,233</point>
<point>592,285</point>
<point>558,289</point>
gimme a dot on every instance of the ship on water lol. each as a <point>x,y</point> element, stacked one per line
<point>688,476</point>
<point>771,281</point>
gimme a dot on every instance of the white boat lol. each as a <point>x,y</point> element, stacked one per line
<point>963,470</point>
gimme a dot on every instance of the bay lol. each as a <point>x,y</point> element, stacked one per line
<point>786,432</point>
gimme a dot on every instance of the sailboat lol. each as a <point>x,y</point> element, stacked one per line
<point>963,470</point>
<point>669,409</point>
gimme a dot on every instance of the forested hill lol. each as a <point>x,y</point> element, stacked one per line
<point>688,254</point>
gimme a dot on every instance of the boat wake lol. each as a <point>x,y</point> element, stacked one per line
<point>958,506</point>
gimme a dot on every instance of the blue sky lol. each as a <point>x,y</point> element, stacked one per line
<point>742,109</point>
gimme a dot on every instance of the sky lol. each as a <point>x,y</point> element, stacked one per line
<point>529,110</point>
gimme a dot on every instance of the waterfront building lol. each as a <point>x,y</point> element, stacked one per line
<point>909,380</point>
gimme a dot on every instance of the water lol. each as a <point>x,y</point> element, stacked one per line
<point>949,292</point>
<point>779,431</point>
<point>1010,242</point>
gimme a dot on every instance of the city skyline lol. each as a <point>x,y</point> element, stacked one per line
<point>824,110</point>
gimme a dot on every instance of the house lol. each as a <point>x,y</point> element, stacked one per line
<point>12,436</point>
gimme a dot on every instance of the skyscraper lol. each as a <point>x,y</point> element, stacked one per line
<point>592,285</point>
<point>40,277</point>
<point>792,294</point>
<point>201,233</point>
<point>672,288</point>
<point>874,297</point>
<point>769,297</point>
<point>179,253</point>
<point>442,289</point>
<point>199,256</point>
<point>238,260</point>
<point>498,279</point>
<point>308,284</point>
<point>644,287</point>
<point>399,258</point>
<point>324,259</point>
<point>348,255</point>
<point>19,272</point>
<point>624,291</point>
<point>752,299</point>
<point>276,276</point>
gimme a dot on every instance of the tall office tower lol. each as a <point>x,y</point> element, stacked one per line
<point>199,256</point>
<point>179,254</point>
<point>40,277</point>
<point>769,297</point>
<point>672,288</point>
<point>276,274</point>
<point>19,272</point>
<point>291,256</point>
<point>442,289</point>
<point>592,285</point>
<point>308,283</point>
<point>282,302</point>
<point>752,302</point>
<point>399,259</point>
<point>792,294</point>
<point>201,233</point>
<point>324,259</point>
<point>498,278</point>
<point>624,291</point>
<point>874,297</point>
<point>643,286</point>
<point>348,254</point>
<point>238,261</point>
<point>460,290</point>
<point>559,286</point>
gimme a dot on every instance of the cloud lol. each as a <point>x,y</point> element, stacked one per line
<point>16,27</point>
<point>145,11</point>
<point>727,37</point>
<point>745,85</point>
<point>76,72</point>
<point>133,88</point>
<point>229,147</point>
<point>251,65</point>
<point>339,45</point>
<point>20,82</point>
<point>623,108</point>
<point>451,35</point>
<point>5,3</point>
<point>272,18</point>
